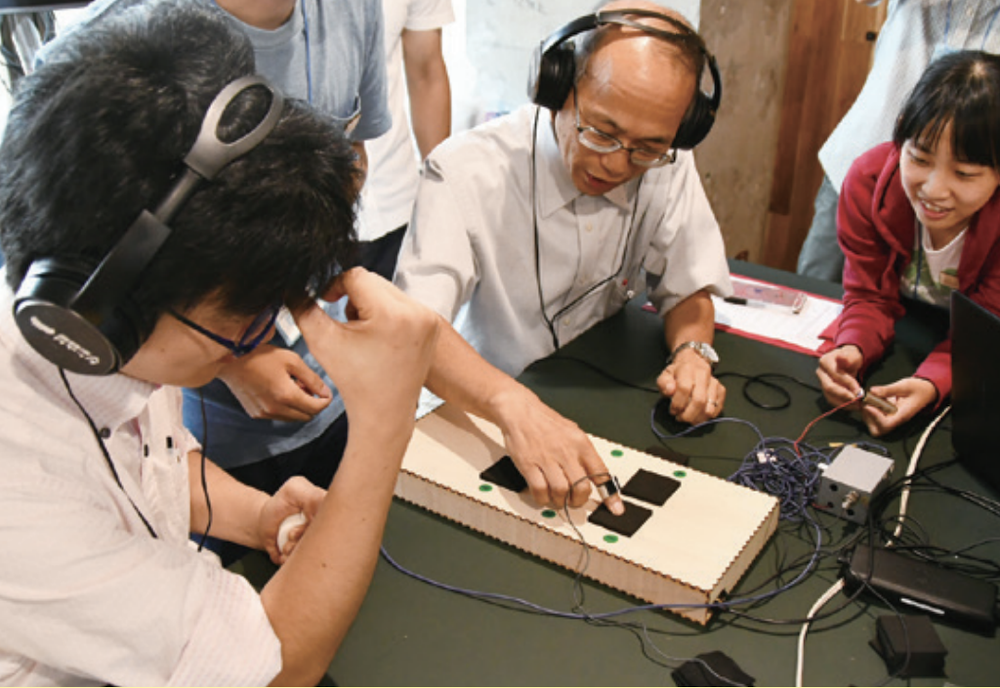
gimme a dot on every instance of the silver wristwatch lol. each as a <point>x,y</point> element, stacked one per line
<point>701,348</point>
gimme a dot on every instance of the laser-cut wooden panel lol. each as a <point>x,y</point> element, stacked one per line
<point>691,551</point>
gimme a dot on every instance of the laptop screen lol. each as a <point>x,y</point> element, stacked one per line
<point>975,393</point>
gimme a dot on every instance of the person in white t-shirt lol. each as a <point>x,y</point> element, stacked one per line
<point>412,50</point>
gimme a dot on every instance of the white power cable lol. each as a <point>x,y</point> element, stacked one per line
<point>839,585</point>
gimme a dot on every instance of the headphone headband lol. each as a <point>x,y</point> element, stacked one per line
<point>598,19</point>
<point>553,70</point>
<point>84,321</point>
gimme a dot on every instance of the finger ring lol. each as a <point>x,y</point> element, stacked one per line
<point>711,402</point>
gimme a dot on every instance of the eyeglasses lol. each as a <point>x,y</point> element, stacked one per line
<point>252,336</point>
<point>600,142</point>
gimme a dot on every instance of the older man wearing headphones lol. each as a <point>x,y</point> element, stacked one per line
<point>535,226</point>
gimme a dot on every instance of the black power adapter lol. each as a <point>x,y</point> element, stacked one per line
<point>915,585</point>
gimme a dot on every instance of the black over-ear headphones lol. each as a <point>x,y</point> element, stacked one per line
<point>553,69</point>
<point>83,319</point>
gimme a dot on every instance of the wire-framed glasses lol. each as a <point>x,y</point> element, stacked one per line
<point>252,336</point>
<point>599,142</point>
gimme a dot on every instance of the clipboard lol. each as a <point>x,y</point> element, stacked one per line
<point>778,315</point>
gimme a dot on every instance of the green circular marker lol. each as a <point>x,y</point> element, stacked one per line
<point>680,474</point>
<point>549,513</point>
<point>485,488</point>
<point>617,452</point>
<point>611,539</point>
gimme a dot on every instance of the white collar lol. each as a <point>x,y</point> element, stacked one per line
<point>110,400</point>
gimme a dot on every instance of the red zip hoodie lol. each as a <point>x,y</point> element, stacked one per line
<point>876,228</point>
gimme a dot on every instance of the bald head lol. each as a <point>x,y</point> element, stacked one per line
<point>618,5</point>
<point>650,40</point>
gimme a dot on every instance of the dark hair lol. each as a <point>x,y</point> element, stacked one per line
<point>98,133</point>
<point>961,88</point>
<point>690,48</point>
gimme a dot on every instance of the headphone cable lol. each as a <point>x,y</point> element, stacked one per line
<point>551,322</point>
<point>104,450</point>
<point>204,479</point>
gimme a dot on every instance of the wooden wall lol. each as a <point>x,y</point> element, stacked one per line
<point>826,70</point>
<point>791,68</point>
<point>749,39</point>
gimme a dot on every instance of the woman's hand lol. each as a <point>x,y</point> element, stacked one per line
<point>909,395</point>
<point>838,374</point>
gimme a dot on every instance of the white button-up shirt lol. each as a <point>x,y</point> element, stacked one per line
<point>488,195</point>
<point>87,595</point>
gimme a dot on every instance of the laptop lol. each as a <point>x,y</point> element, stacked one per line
<point>975,392</point>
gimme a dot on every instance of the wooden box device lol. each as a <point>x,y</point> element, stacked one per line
<point>691,550</point>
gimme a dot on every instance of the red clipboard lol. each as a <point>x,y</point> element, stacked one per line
<point>781,296</point>
<point>786,295</point>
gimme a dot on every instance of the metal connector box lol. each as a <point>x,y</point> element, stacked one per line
<point>850,481</point>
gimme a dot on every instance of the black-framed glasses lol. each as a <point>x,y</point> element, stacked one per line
<point>599,142</point>
<point>252,336</point>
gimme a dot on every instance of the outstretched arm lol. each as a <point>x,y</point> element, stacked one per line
<point>551,452</point>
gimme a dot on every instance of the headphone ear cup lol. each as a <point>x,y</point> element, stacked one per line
<point>700,115</point>
<point>552,76</point>
<point>55,281</point>
<point>89,344</point>
<point>697,122</point>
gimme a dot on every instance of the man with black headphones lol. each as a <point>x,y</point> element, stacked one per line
<point>275,413</point>
<point>158,202</point>
<point>533,227</point>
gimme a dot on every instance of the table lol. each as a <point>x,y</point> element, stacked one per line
<point>411,633</point>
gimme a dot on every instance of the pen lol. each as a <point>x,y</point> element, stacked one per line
<point>753,303</point>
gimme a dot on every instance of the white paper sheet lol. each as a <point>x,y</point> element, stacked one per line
<point>758,319</point>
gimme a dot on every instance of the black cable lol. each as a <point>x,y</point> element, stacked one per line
<point>915,539</point>
<point>765,380</point>
<point>204,479</point>
<point>559,356</point>
<point>551,322</point>
<point>750,382</point>
<point>104,450</point>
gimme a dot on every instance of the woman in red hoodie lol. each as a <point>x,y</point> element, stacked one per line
<point>919,217</point>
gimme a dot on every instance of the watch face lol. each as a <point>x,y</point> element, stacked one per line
<point>708,352</point>
<point>704,350</point>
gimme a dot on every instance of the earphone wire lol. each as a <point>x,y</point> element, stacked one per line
<point>534,221</point>
<point>104,451</point>
<point>533,177</point>
<point>204,479</point>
